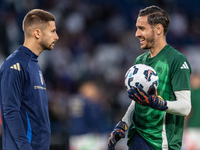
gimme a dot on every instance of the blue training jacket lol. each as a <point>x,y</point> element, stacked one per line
<point>24,105</point>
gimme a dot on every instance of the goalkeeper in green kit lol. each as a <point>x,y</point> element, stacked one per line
<point>155,121</point>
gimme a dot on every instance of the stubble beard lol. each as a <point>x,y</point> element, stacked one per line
<point>150,42</point>
<point>45,46</point>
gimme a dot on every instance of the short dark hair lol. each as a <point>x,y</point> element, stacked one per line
<point>36,17</point>
<point>156,15</point>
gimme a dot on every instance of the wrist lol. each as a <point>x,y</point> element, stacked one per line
<point>158,103</point>
<point>166,104</point>
<point>122,125</point>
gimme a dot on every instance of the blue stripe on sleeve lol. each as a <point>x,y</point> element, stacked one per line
<point>29,130</point>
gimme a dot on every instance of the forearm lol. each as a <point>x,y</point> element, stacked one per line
<point>182,105</point>
<point>129,113</point>
<point>14,122</point>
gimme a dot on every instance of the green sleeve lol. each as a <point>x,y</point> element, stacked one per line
<point>180,74</point>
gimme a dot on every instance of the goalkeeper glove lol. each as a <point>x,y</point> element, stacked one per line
<point>153,100</point>
<point>116,135</point>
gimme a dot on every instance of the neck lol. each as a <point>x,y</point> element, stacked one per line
<point>158,46</point>
<point>34,47</point>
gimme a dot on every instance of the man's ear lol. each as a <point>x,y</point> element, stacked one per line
<point>37,33</point>
<point>159,29</point>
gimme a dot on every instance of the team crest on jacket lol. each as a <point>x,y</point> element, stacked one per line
<point>41,77</point>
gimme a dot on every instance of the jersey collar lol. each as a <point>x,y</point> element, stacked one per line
<point>27,51</point>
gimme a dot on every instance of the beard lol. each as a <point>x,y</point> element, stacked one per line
<point>150,41</point>
<point>45,45</point>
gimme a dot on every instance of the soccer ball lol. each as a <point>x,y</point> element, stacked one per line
<point>142,75</point>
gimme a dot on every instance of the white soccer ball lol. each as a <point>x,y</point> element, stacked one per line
<point>143,75</point>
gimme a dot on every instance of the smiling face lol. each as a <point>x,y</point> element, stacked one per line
<point>49,36</point>
<point>145,33</point>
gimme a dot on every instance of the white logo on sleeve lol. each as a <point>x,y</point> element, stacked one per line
<point>184,66</point>
<point>41,77</point>
<point>16,67</point>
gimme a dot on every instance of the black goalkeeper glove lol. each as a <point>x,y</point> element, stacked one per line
<point>117,134</point>
<point>154,101</point>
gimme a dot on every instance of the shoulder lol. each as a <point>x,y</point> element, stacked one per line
<point>15,61</point>
<point>174,57</point>
<point>178,62</point>
<point>174,54</point>
<point>178,56</point>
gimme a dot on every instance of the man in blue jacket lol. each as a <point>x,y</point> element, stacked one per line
<point>24,105</point>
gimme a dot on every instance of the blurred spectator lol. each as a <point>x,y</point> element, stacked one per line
<point>87,113</point>
<point>178,28</point>
<point>58,119</point>
<point>179,24</point>
<point>88,118</point>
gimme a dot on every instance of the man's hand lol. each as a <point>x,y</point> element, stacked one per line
<point>154,101</point>
<point>116,135</point>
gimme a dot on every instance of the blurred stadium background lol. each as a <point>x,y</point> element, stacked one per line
<point>85,71</point>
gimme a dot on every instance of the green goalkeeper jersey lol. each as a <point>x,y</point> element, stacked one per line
<point>160,129</point>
